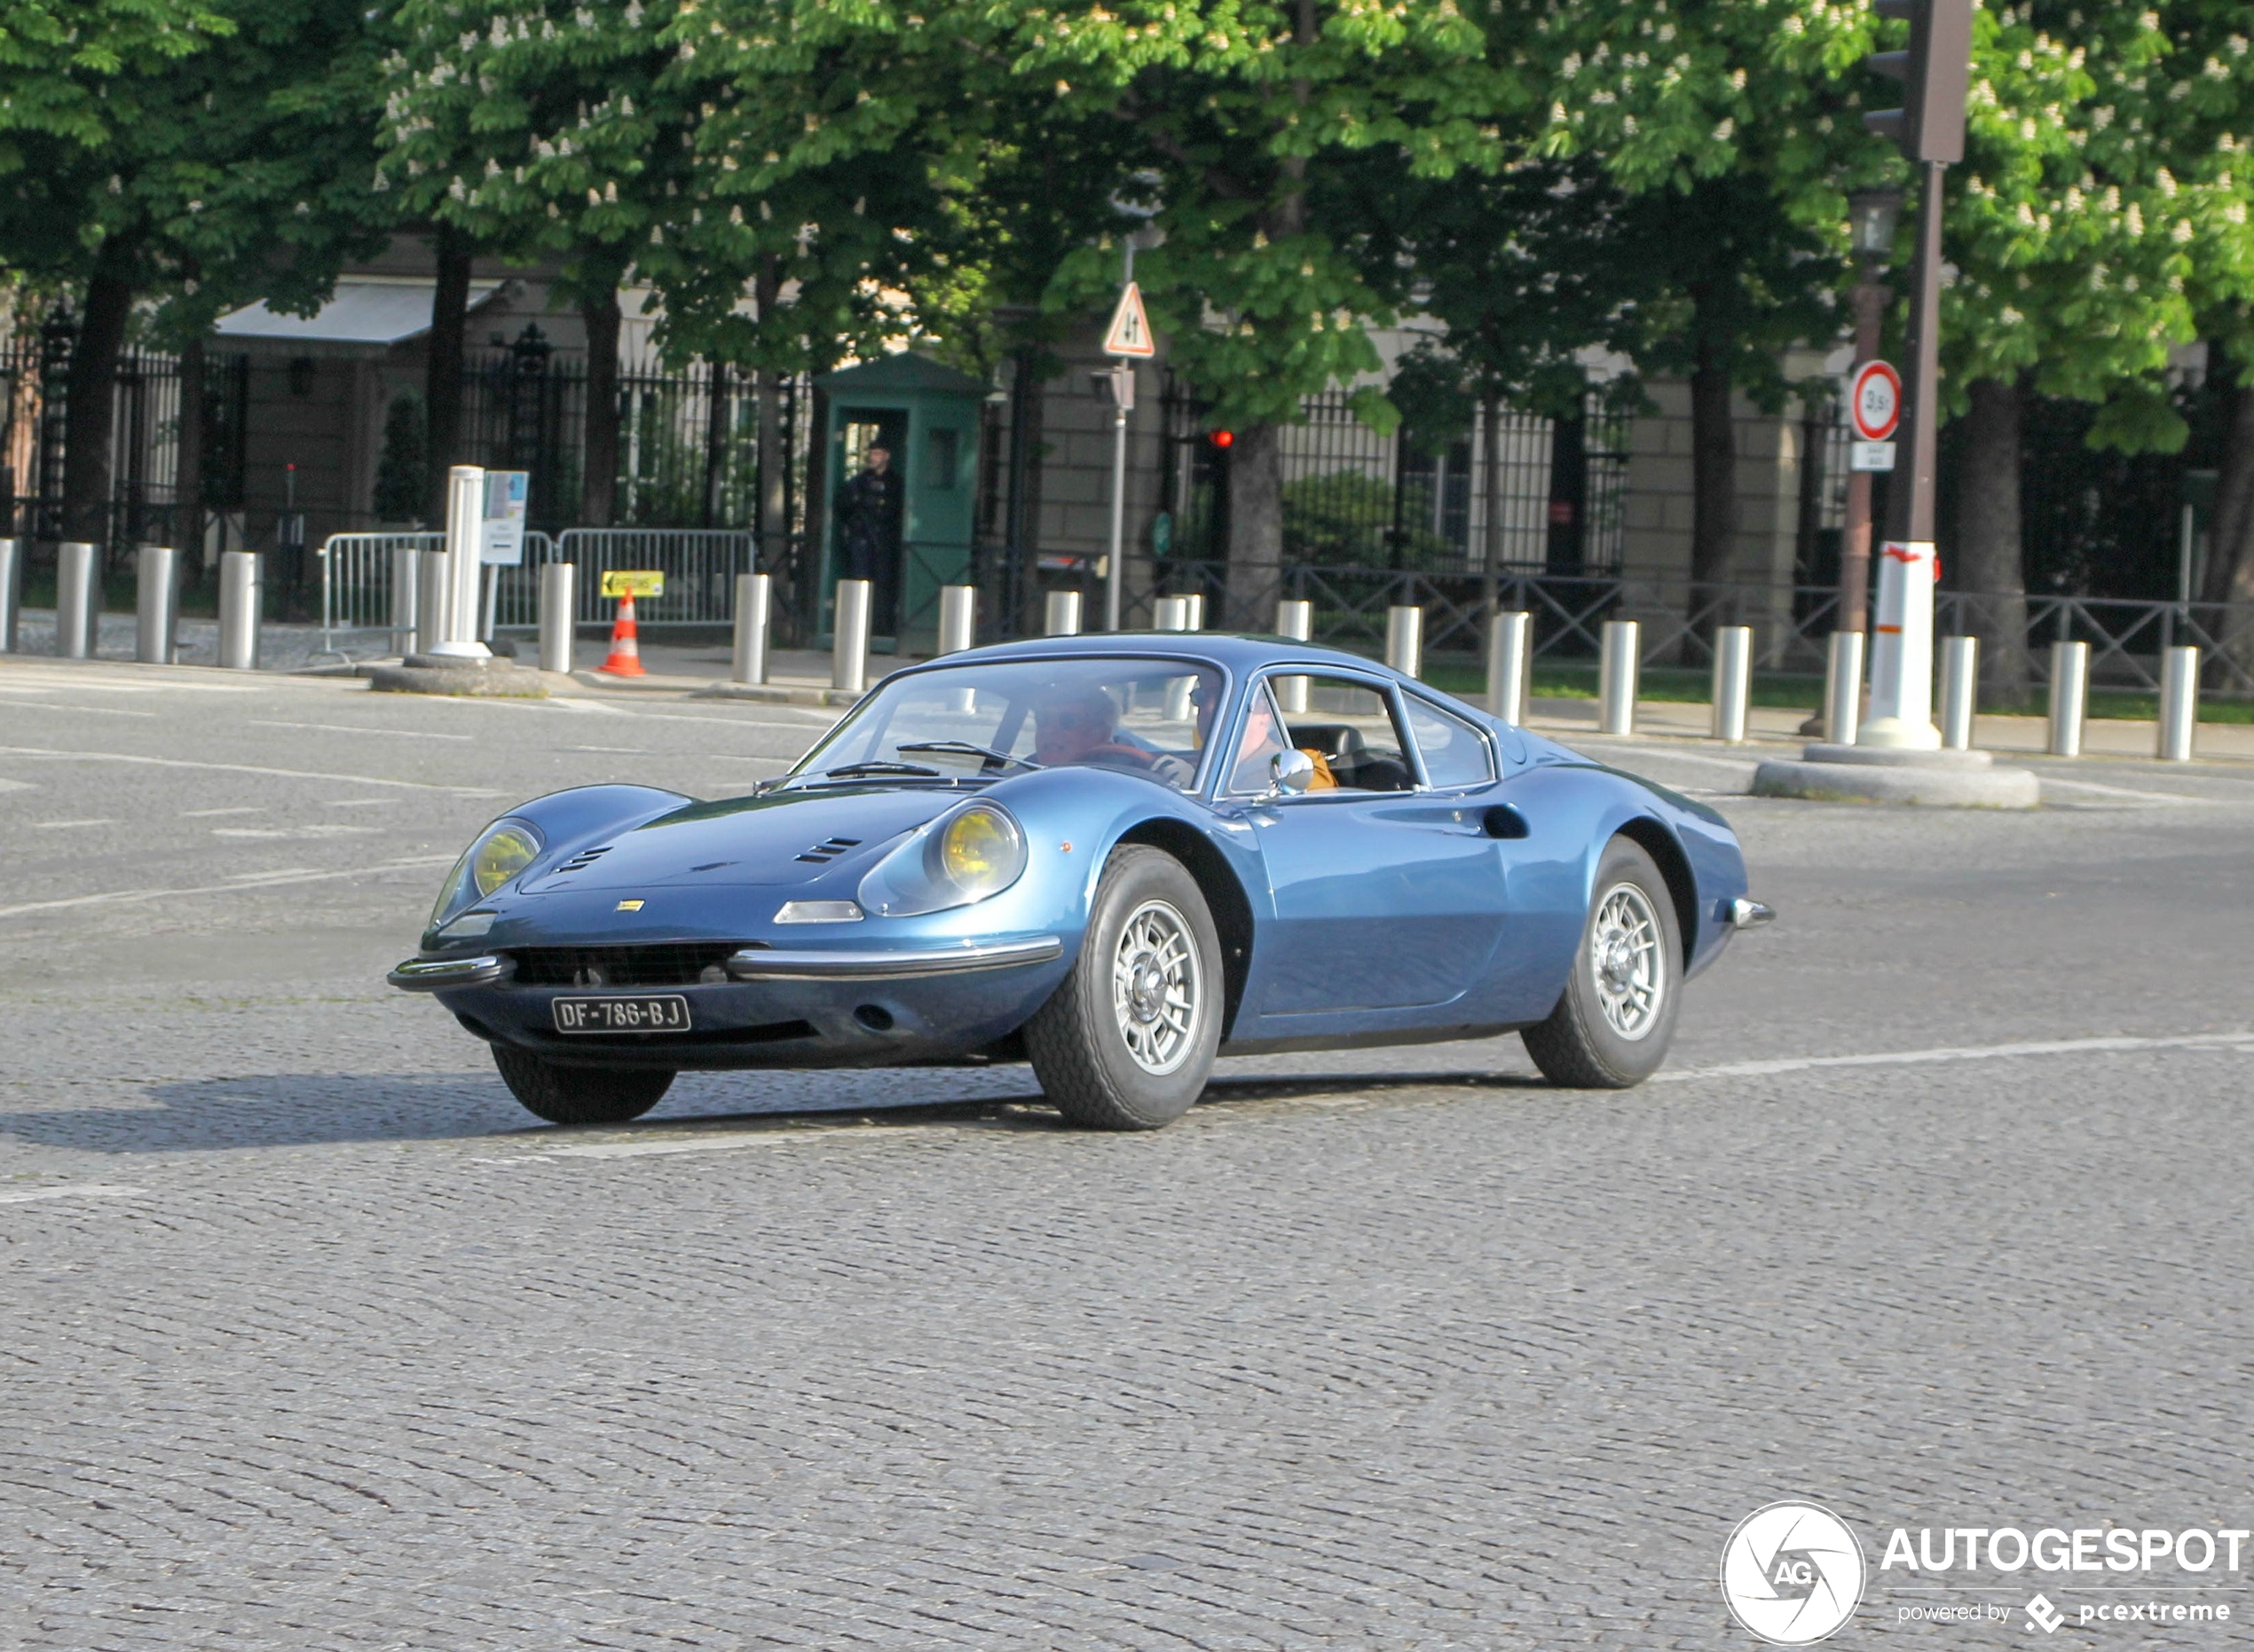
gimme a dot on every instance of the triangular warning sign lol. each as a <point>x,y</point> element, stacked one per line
<point>1130,330</point>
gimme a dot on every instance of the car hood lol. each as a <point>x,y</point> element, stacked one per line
<point>781,838</point>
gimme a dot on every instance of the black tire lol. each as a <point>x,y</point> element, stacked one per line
<point>1079,1041</point>
<point>1583,1047</point>
<point>580,1095</point>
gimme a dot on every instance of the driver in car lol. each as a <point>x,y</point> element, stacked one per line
<point>1081,725</point>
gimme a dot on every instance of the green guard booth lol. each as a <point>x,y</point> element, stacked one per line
<point>927,417</point>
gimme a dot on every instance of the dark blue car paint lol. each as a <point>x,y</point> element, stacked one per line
<point>1373,917</point>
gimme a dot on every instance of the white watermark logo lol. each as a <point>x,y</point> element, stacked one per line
<point>2042,1615</point>
<point>1791,1573</point>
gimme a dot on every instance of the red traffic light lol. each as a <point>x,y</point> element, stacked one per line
<point>1223,439</point>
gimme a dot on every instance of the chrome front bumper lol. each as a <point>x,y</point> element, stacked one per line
<point>762,964</point>
<point>755,963</point>
<point>1745,914</point>
<point>430,974</point>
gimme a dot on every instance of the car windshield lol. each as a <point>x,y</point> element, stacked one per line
<point>981,722</point>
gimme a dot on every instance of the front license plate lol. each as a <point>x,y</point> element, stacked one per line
<point>667,1014</point>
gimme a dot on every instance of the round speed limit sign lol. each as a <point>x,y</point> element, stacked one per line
<point>1875,401</point>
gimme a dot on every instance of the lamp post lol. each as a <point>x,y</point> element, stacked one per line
<point>1872,214</point>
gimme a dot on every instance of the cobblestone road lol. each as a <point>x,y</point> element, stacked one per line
<point>314,1340</point>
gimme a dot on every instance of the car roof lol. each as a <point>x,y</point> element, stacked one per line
<point>1236,651</point>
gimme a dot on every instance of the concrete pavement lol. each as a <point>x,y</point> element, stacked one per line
<point>316,1340</point>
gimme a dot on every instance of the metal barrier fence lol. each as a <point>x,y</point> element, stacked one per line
<point>1791,625</point>
<point>700,565</point>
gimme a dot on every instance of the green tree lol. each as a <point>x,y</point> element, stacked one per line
<point>205,178</point>
<point>1732,129</point>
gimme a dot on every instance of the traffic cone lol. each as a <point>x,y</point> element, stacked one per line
<point>625,650</point>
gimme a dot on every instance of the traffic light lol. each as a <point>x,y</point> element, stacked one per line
<point>1223,439</point>
<point>1936,72</point>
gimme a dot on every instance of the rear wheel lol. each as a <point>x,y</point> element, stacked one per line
<point>565,1094</point>
<point>1127,1041</point>
<point>1613,1022</point>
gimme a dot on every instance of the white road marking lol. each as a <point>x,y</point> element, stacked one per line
<point>48,678</point>
<point>84,1190</point>
<point>1735,765</point>
<point>46,704</point>
<point>241,769</point>
<point>67,825</point>
<point>2123,791</point>
<point>348,729</point>
<point>359,803</point>
<point>619,750</point>
<point>700,1144</point>
<point>17,785</point>
<point>1961,1052</point>
<point>205,814</point>
<point>252,880</point>
<point>325,828</point>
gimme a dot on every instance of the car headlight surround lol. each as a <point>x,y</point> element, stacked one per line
<point>968,856</point>
<point>502,851</point>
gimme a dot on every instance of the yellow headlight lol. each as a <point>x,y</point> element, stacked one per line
<point>500,857</point>
<point>981,851</point>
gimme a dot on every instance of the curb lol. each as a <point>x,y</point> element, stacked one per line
<point>1903,783</point>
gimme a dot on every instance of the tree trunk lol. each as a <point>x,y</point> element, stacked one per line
<point>442,380</point>
<point>774,554</point>
<point>1988,532</point>
<point>1021,508</point>
<point>599,487</point>
<point>1256,528</point>
<point>187,476</point>
<point>2230,555</point>
<point>91,407</point>
<point>1713,472</point>
<point>716,423</point>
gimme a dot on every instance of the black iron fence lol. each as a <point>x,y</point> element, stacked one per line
<point>1533,493</point>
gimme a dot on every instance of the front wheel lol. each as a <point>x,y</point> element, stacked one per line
<point>1614,1019</point>
<point>580,1095</point>
<point>1127,1041</point>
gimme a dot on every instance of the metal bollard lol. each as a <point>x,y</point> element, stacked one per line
<point>1508,637</point>
<point>957,618</point>
<point>465,582</point>
<point>2069,696</point>
<point>1616,671</point>
<point>1843,687</point>
<point>1063,616</point>
<point>78,600</point>
<point>754,611</point>
<point>1294,620</point>
<point>559,614</point>
<point>1959,691</point>
<point>433,583</point>
<point>156,605</point>
<point>1170,613</point>
<point>2178,705</point>
<point>1404,640</point>
<point>10,592</point>
<point>1733,681</point>
<point>849,638</point>
<point>1193,610</point>
<point>241,592</point>
<point>407,576</point>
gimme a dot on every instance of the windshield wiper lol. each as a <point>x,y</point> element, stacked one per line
<point>968,748</point>
<point>874,766</point>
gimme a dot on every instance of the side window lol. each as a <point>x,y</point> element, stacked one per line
<point>1348,728</point>
<point>1453,753</point>
<point>1257,746</point>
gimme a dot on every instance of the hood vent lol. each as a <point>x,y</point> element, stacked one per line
<point>581,862</point>
<point>830,849</point>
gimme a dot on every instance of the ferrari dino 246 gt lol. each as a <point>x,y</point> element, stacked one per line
<point>1115,857</point>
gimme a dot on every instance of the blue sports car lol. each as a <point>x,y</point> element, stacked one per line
<point>1115,857</point>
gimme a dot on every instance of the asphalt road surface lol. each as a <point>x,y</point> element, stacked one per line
<point>313,1339</point>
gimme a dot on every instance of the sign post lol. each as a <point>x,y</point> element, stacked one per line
<point>1128,337</point>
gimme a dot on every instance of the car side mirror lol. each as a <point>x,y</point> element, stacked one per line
<point>1291,772</point>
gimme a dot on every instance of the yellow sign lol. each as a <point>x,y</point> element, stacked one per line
<point>633,582</point>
